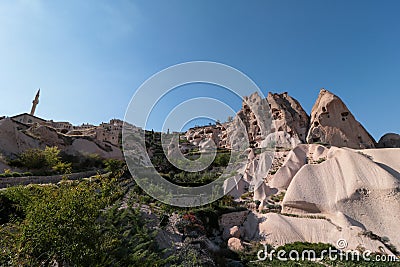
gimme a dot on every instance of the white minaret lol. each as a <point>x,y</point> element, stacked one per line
<point>35,102</point>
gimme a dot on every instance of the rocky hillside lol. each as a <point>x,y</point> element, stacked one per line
<point>15,138</point>
<point>321,181</point>
<point>279,120</point>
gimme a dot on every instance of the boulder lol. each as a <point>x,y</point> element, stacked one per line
<point>235,244</point>
<point>389,140</point>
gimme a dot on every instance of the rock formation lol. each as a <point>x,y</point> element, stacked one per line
<point>290,121</point>
<point>255,117</point>
<point>333,123</point>
<point>278,120</point>
<point>15,138</point>
<point>216,133</point>
<point>332,193</point>
<point>298,157</point>
<point>389,140</point>
<point>350,184</point>
<point>13,141</point>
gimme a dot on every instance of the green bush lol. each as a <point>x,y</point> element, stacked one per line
<point>70,224</point>
<point>114,165</point>
<point>62,167</point>
<point>33,159</point>
<point>222,159</point>
<point>44,161</point>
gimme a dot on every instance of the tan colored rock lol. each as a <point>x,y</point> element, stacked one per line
<point>288,116</point>
<point>12,139</point>
<point>389,140</point>
<point>234,232</point>
<point>86,147</point>
<point>364,190</point>
<point>333,123</point>
<point>235,244</point>
<point>277,230</point>
<point>47,135</point>
<point>216,133</point>
<point>16,137</point>
<point>256,117</point>
<point>278,120</point>
<point>256,126</point>
<point>301,155</point>
<point>229,220</point>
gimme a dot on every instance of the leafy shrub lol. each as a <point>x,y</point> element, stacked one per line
<point>62,167</point>
<point>114,165</point>
<point>222,159</point>
<point>279,197</point>
<point>68,224</point>
<point>33,159</point>
<point>44,161</point>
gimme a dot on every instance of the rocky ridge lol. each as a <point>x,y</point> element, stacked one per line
<point>279,120</point>
<point>15,138</point>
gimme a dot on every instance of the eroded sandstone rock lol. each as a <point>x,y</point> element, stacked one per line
<point>288,117</point>
<point>333,123</point>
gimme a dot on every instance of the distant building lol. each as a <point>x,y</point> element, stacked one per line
<point>61,126</point>
<point>28,119</point>
<point>110,132</point>
<point>84,126</point>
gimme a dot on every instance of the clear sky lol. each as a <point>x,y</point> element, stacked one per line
<point>89,57</point>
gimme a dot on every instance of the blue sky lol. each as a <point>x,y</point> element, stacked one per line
<point>89,57</point>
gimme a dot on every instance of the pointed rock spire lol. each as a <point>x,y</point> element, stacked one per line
<point>333,123</point>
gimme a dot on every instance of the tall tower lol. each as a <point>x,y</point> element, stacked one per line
<point>35,102</point>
